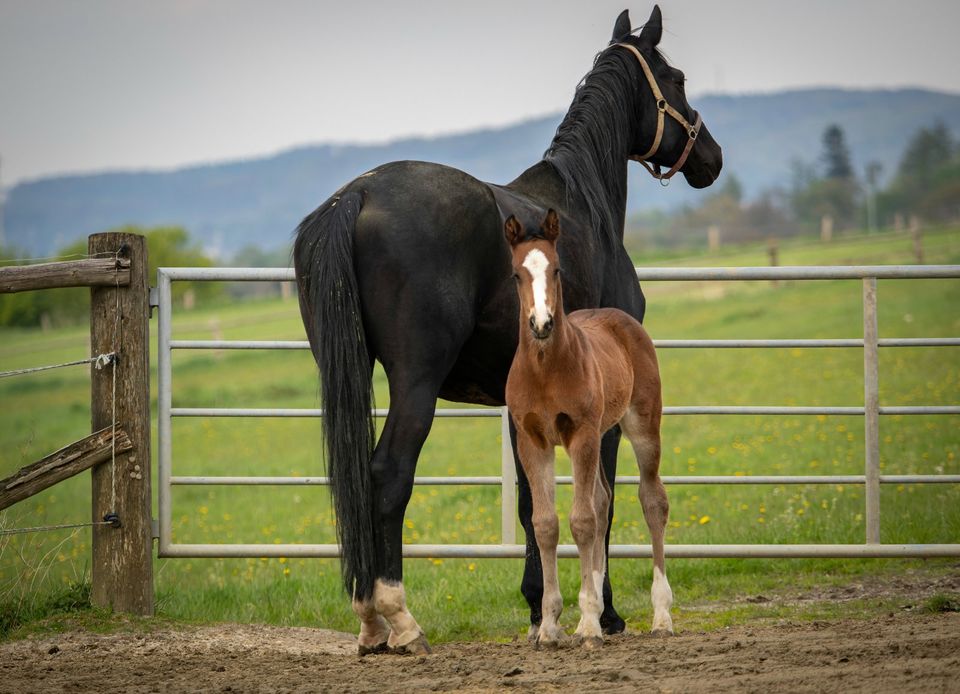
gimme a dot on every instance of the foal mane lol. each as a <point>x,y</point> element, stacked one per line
<point>591,143</point>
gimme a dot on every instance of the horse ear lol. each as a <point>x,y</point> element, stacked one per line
<point>551,226</point>
<point>621,27</point>
<point>653,29</point>
<point>513,231</point>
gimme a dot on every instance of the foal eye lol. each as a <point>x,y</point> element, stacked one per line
<point>516,277</point>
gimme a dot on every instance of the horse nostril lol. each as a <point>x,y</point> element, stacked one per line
<point>533,324</point>
<point>548,326</point>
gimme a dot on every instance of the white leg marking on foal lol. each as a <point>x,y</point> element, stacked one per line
<point>536,263</point>
<point>662,598</point>
<point>391,602</point>
<point>598,582</point>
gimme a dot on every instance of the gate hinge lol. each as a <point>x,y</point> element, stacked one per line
<point>154,299</point>
<point>154,529</point>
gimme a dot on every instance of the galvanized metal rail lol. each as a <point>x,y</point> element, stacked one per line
<point>870,410</point>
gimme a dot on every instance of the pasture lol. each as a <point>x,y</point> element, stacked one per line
<point>479,599</point>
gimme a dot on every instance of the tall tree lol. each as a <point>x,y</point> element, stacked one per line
<point>836,156</point>
<point>928,150</point>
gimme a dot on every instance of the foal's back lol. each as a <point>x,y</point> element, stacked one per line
<point>622,348</point>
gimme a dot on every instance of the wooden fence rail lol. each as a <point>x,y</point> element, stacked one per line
<point>63,464</point>
<point>91,272</point>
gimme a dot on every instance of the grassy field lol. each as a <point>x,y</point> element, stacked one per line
<point>470,599</point>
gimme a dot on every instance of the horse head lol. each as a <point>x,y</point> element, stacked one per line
<point>536,271</point>
<point>680,141</point>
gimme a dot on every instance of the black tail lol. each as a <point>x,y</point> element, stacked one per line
<point>330,306</point>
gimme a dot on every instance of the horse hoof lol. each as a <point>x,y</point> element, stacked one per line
<point>533,633</point>
<point>372,650</point>
<point>662,633</point>
<point>546,644</point>
<point>612,624</point>
<point>591,643</point>
<point>419,646</point>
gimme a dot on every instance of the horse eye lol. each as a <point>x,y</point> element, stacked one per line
<point>556,272</point>
<point>516,277</point>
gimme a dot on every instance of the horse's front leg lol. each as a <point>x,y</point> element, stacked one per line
<point>588,525</point>
<point>537,459</point>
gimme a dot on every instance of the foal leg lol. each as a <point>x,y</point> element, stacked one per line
<point>644,435</point>
<point>374,629</point>
<point>587,523</point>
<point>611,622</point>
<point>531,587</point>
<point>538,464</point>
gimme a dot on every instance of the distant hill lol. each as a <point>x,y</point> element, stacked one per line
<point>260,201</point>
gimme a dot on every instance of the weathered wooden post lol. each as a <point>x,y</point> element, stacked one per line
<point>916,233</point>
<point>773,253</point>
<point>119,322</point>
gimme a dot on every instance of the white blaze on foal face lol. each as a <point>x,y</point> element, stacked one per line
<point>536,264</point>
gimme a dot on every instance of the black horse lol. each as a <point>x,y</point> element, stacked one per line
<point>407,264</point>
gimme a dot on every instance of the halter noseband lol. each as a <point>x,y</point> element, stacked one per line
<point>663,106</point>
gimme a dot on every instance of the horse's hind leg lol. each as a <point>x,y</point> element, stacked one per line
<point>412,404</point>
<point>643,430</point>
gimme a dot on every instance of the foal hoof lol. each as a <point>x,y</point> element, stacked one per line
<point>662,633</point>
<point>533,633</point>
<point>419,646</point>
<point>591,643</point>
<point>372,650</point>
<point>546,644</point>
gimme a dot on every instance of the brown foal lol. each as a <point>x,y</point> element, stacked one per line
<point>574,377</point>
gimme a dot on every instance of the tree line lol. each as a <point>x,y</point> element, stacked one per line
<point>49,308</point>
<point>925,186</point>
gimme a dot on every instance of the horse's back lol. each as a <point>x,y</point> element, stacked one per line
<point>429,256</point>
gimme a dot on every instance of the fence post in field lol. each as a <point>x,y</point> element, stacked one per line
<point>916,234</point>
<point>773,253</point>
<point>122,564</point>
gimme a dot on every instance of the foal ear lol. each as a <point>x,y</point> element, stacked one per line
<point>513,231</point>
<point>653,29</point>
<point>551,226</point>
<point>621,27</point>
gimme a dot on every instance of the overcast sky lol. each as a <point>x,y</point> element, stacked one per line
<point>103,84</point>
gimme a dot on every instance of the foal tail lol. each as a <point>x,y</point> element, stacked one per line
<point>330,307</point>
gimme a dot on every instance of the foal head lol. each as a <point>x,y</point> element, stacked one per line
<point>536,270</point>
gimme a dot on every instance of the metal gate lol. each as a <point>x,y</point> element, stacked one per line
<point>871,410</point>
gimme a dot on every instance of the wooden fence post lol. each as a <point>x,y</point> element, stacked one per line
<point>119,322</point>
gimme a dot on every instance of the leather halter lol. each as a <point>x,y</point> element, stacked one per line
<point>664,107</point>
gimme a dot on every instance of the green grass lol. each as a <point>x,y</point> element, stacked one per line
<point>459,599</point>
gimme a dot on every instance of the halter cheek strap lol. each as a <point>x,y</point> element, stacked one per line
<point>664,107</point>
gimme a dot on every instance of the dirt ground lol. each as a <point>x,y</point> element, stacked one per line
<point>904,650</point>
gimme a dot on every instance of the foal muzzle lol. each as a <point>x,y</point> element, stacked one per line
<point>544,331</point>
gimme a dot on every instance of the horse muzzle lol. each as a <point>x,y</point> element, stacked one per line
<point>541,332</point>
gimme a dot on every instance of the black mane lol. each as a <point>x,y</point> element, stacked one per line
<point>591,145</point>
